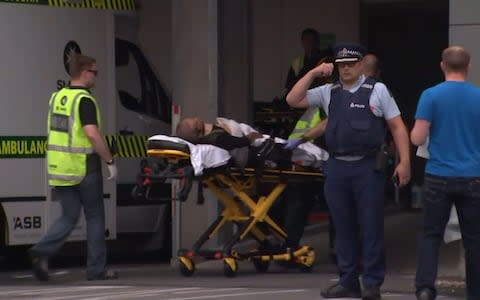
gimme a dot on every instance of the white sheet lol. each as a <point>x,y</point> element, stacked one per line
<point>208,156</point>
<point>201,156</point>
<point>306,154</point>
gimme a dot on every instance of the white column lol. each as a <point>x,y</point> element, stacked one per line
<point>195,88</point>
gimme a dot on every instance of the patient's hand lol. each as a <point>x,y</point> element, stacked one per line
<point>252,136</point>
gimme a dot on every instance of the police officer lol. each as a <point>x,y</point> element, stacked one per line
<point>358,109</point>
<point>75,149</point>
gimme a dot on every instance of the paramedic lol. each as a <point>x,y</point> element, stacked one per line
<point>357,109</point>
<point>301,64</point>
<point>75,149</point>
<point>300,198</point>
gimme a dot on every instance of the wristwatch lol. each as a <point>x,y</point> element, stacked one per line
<point>110,162</point>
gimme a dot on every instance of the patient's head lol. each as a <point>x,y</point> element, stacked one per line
<point>191,129</point>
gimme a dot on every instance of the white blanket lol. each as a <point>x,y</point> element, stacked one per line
<point>209,156</point>
<point>306,154</point>
<point>201,156</point>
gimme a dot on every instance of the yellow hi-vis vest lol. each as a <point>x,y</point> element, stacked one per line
<point>310,118</point>
<point>67,144</point>
<point>297,64</point>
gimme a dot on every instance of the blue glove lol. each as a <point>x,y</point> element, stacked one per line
<point>293,143</point>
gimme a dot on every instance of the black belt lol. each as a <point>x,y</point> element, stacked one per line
<point>371,152</point>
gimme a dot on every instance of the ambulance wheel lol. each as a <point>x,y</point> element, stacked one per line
<point>261,265</point>
<point>230,267</point>
<point>186,266</point>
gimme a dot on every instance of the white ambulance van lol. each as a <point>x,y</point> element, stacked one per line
<point>38,37</point>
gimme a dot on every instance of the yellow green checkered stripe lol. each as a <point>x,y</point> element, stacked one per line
<point>36,146</point>
<point>98,4</point>
<point>129,145</point>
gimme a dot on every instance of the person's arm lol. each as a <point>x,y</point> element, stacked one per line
<point>316,131</point>
<point>423,119</point>
<point>88,116</point>
<point>310,134</point>
<point>98,142</point>
<point>420,132</point>
<point>297,97</point>
<point>229,142</point>
<point>388,107</point>
<point>400,137</point>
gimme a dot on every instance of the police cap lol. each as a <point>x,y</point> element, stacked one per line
<point>349,52</point>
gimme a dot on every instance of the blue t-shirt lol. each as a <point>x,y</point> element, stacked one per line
<point>453,109</point>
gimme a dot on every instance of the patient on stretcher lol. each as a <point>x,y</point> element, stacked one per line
<point>197,131</point>
<point>246,145</point>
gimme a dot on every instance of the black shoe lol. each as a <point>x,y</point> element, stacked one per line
<point>425,294</point>
<point>40,267</point>
<point>371,292</point>
<point>106,275</point>
<point>339,291</point>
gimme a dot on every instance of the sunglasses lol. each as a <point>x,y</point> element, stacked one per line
<point>95,72</point>
<point>349,64</point>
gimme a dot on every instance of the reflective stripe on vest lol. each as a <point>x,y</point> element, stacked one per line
<point>310,119</point>
<point>67,145</point>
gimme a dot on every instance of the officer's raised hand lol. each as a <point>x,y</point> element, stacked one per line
<point>323,70</point>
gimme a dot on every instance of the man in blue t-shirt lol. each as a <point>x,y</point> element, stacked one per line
<point>449,114</point>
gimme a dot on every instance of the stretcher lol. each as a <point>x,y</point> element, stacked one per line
<point>246,194</point>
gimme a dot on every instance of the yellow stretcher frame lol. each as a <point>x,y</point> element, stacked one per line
<point>248,211</point>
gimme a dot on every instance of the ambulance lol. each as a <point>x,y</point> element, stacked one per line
<point>38,38</point>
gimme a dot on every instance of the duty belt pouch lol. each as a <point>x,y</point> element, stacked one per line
<point>381,160</point>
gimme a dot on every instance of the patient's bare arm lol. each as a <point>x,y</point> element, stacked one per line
<point>252,136</point>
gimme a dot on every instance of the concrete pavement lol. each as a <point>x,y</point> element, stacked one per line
<point>161,281</point>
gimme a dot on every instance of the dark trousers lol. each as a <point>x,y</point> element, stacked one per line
<point>355,196</point>
<point>439,195</point>
<point>89,194</point>
<point>299,199</point>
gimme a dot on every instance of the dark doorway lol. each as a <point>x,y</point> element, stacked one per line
<point>408,37</point>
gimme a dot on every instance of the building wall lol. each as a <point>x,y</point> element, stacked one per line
<point>277,25</point>
<point>464,26</point>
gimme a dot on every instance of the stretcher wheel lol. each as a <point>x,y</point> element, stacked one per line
<point>186,266</point>
<point>305,268</point>
<point>230,267</point>
<point>261,265</point>
<point>306,261</point>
